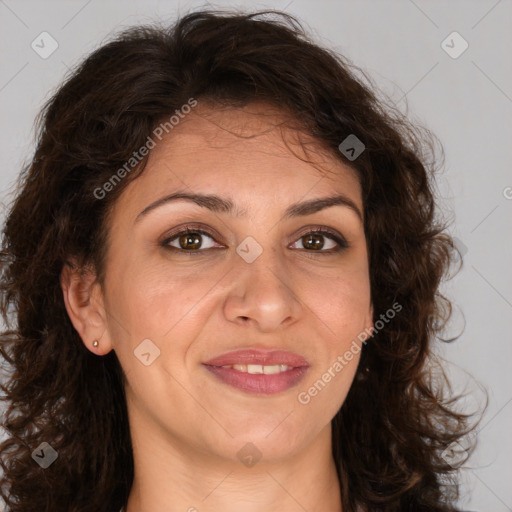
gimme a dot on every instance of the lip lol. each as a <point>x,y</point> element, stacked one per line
<point>262,384</point>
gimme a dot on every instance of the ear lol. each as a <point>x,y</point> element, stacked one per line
<point>84,302</point>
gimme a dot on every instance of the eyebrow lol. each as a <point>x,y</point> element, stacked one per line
<point>218,204</point>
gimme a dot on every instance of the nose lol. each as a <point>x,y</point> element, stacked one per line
<point>262,294</point>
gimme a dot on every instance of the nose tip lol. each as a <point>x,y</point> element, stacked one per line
<point>265,300</point>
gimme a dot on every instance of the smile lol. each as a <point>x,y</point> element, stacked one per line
<point>258,371</point>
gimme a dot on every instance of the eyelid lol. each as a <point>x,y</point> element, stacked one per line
<point>320,229</point>
<point>192,227</point>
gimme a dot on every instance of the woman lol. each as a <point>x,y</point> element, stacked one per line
<point>223,270</point>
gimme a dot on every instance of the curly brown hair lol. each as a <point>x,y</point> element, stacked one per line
<point>391,432</point>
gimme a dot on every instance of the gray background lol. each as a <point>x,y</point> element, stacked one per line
<point>465,101</point>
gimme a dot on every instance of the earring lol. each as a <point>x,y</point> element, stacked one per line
<point>95,343</point>
<point>363,374</point>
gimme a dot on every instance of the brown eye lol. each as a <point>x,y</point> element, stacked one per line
<point>188,240</point>
<point>314,241</point>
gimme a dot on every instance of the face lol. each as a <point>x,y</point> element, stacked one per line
<point>249,278</point>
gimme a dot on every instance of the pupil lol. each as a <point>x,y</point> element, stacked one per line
<point>190,239</point>
<point>317,244</point>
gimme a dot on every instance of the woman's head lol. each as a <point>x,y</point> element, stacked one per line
<point>247,290</point>
<point>250,111</point>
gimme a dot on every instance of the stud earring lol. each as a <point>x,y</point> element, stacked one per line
<point>95,343</point>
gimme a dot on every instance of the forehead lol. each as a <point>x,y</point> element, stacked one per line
<point>254,151</point>
<point>256,128</point>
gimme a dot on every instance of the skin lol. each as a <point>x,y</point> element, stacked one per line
<point>186,425</point>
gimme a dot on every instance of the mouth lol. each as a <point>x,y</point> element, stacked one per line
<point>258,371</point>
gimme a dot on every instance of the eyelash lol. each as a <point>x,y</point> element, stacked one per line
<point>342,243</point>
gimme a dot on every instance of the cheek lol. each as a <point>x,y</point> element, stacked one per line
<point>169,306</point>
<point>321,398</point>
<point>152,299</point>
<point>341,305</point>
<point>341,301</point>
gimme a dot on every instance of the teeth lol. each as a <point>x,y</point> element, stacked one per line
<point>269,370</point>
<point>255,369</point>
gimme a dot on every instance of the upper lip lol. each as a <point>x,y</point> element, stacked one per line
<point>261,357</point>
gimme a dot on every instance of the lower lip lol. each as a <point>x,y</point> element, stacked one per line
<point>259,383</point>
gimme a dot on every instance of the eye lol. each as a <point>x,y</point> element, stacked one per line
<point>188,240</point>
<point>313,240</point>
